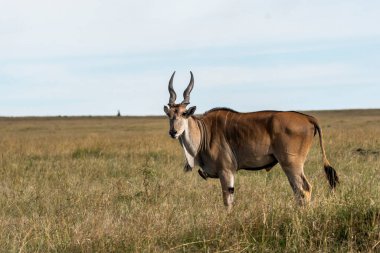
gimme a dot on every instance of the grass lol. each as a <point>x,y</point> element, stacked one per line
<point>104,184</point>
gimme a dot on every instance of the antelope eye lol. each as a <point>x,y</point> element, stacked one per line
<point>184,113</point>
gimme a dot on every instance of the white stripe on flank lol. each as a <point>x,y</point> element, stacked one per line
<point>225,121</point>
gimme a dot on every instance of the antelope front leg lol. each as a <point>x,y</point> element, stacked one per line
<point>227,182</point>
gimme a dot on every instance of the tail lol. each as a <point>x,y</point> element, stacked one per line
<point>331,174</point>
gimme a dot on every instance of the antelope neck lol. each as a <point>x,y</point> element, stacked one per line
<point>192,136</point>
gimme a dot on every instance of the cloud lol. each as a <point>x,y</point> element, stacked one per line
<point>94,57</point>
<point>45,28</point>
<point>289,75</point>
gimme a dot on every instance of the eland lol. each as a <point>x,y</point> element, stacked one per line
<point>223,141</point>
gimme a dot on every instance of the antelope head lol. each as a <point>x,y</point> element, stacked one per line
<point>178,113</point>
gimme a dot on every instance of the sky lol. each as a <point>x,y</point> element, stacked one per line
<point>88,57</point>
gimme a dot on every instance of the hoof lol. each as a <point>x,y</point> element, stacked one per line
<point>202,174</point>
<point>187,168</point>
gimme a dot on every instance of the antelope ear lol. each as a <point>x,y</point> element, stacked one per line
<point>190,111</point>
<point>166,109</point>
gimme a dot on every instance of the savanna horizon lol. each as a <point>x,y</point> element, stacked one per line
<point>162,115</point>
<point>106,183</point>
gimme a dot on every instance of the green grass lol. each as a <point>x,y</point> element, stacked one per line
<point>98,184</point>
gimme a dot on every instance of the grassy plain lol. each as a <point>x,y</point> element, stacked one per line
<point>106,184</point>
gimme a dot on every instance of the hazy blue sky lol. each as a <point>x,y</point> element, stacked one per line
<point>95,57</point>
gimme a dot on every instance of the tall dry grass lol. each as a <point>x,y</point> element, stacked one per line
<point>117,185</point>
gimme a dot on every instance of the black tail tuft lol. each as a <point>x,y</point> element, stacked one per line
<point>331,176</point>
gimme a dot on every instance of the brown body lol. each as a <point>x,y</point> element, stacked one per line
<point>222,141</point>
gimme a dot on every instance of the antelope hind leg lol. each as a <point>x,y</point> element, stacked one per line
<point>300,185</point>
